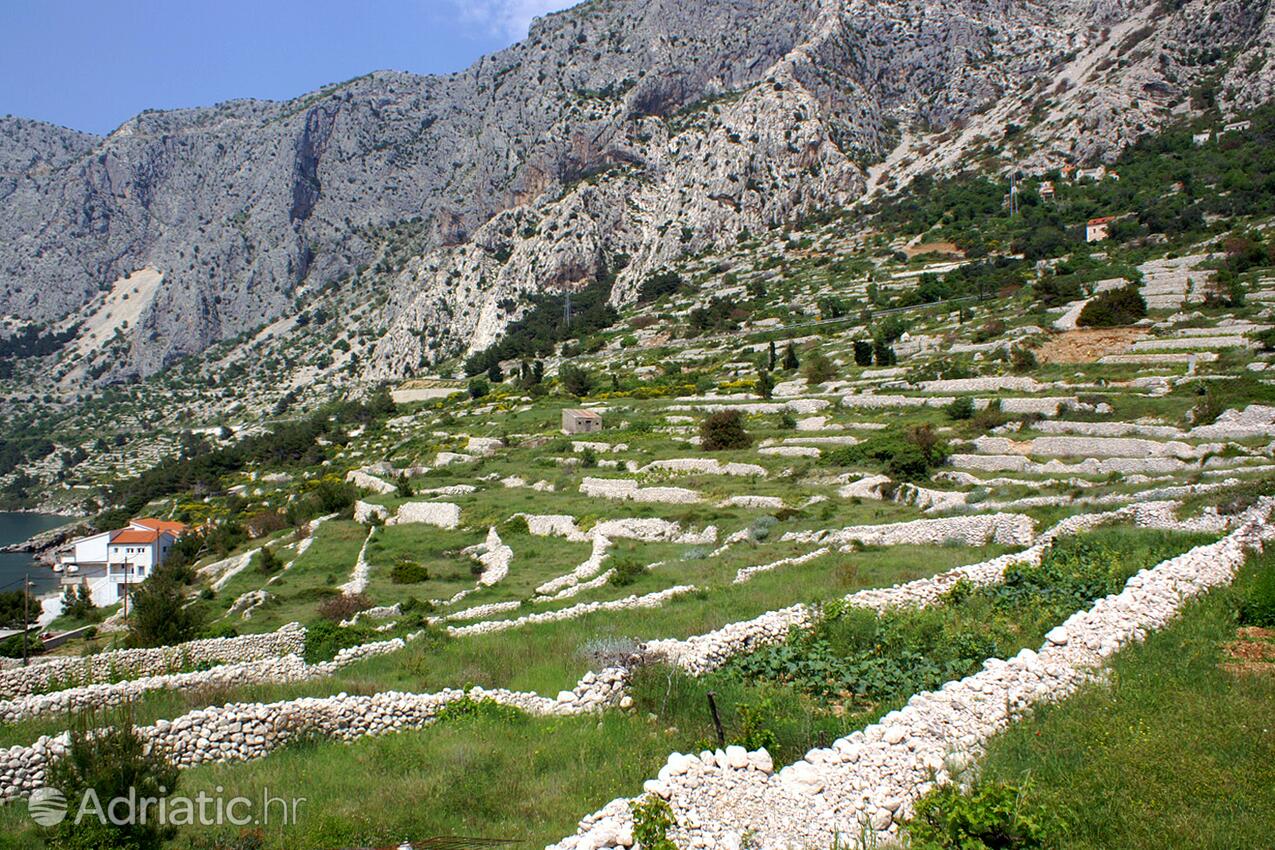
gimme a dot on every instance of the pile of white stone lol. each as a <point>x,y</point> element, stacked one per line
<point>245,731</point>
<point>359,575</point>
<point>627,490</point>
<point>647,530</point>
<point>585,571</point>
<point>882,488</point>
<point>53,673</point>
<point>1002,528</point>
<point>867,782</point>
<point>705,466</point>
<point>367,481</point>
<point>494,556</point>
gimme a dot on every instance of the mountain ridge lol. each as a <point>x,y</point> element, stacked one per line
<point>616,130</point>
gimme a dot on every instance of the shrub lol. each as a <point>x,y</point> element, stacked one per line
<point>724,430</point>
<point>989,331</point>
<point>626,572</point>
<point>906,456</point>
<point>324,639</point>
<point>158,613</point>
<point>112,763</point>
<point>478,387</point>
<point>790,358</point>
<point>1257,605</point>
<point>992,816</point>
<point>575,380</point>
<point>652,819</point>
<point>1022,359</point>
<point>818,368</point>
<point>1114,308</point>
<point>344,607</point>
<point>1265,339</point>
<point>960,408</point>
<point>268,562</point>
<point>408,572</point>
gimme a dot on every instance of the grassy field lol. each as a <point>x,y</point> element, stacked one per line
<point>1174,752</point>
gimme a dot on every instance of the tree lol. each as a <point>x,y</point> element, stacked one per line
<point>12,605</point>
<point>575,380</point>
<point>1113,308</point>
<point>495,374</point>
<point>158,614</point>
<point>818,368</point>
<point>862,352</point>
<point>790,357</point>
<point>765,384</point>
<point>268,562</point>
<point>77,603</point>
<point>772,357</point>
<point>537,372</point>
<point>104,765</point>
<point>883,353</point>
<point>478,387</point>
<point>724,430</point>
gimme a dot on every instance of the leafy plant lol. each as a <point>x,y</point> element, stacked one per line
<point>652,819</point>
<point>991,816</point>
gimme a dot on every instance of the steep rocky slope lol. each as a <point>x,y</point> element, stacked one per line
<point>619,135</point>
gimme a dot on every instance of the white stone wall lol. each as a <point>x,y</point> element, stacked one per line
<point>105,666</point>
<point>867,782</point>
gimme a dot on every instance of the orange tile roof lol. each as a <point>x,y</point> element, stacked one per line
<point>174,528</point>
<point>134,535</point>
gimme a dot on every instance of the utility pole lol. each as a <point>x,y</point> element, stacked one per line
<point>26,615</point>
<point>566,310</point>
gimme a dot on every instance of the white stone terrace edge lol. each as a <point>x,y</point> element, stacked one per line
<point>867,782</point>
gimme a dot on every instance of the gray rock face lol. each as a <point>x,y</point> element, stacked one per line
<point>648,128</point>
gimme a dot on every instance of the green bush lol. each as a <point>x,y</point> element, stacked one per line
<point>268,562</point>
<point>112,763</point>
<point>724,430</point>
<point>991,816</point>
<point>652,819</point>
<point>408,572</point>
<point>1257,605</point>
<point>960,408</point>
<point>159,615</point>
<point>626,572</point>
<point>1114,308</point>
<point>324,639</point>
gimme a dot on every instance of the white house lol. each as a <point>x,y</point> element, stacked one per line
<point>1098,229</point>
<point>110,562</point>
<point>1237,127</point>
<point>1201,138</point>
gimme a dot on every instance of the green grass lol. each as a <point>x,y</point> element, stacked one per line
<point>1174,752</point>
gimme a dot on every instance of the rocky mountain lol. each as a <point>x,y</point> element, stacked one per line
<point>619,135</point>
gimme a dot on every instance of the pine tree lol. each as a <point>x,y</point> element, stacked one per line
<point>790,357</point>
<point>770,367</point>
<point>765,384</point>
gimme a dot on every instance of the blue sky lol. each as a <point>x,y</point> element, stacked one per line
<point>92,64</point>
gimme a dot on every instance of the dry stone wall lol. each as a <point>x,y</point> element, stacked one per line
<point>105,666</point>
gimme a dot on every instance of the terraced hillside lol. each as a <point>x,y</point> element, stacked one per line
<point>893,484</point>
